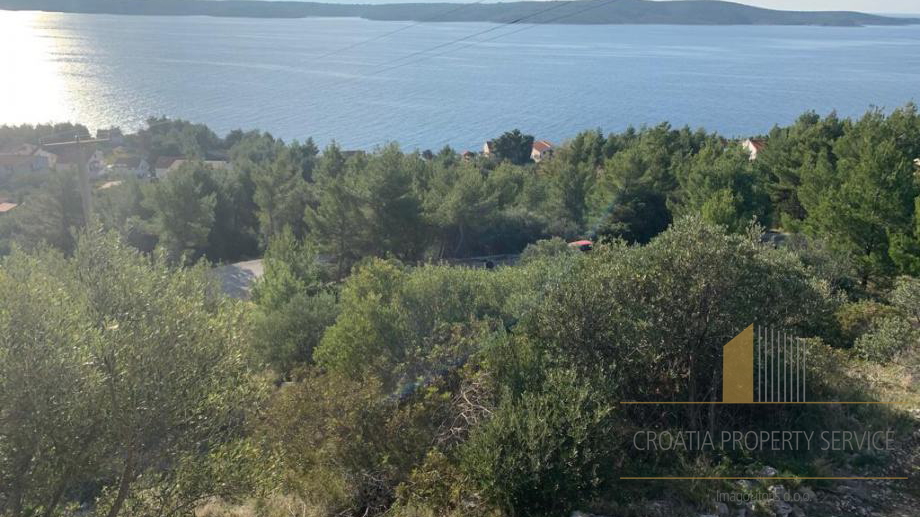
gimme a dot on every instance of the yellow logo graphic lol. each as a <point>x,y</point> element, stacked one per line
<point>763,365</point>
<point>738,368</point>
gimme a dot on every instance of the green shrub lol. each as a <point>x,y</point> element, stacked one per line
<point>320,429</point>
<point>887,331</point>
<point>293,305</point>
<point>390,314</point>
<point>652,320</point>
<point>291,268</point>
<point>286,336</point>
<point>855,319</point>
<point>548,248</point>
<point>906,297</point>
<point>544,452</point>
<point>887,339</point>
<point>346,445</point>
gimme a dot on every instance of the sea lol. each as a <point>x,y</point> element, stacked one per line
<point>426,85</point>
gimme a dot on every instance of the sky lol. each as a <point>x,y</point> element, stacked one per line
<point>866,6</point>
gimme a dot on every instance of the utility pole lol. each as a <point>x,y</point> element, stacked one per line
<point>76,150</point>
<point>85,193</point>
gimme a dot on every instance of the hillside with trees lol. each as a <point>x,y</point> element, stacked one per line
<point>380,369</point>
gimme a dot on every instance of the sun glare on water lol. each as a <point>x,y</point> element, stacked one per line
<point>31,87</point>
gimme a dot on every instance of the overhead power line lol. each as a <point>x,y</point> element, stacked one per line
<point>556,5</point>
<point>396,64</point>
<point>396,31</point>
<point>499,36</point>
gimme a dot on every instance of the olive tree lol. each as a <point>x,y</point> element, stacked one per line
<point>116,368</point>
<point>49,417</point>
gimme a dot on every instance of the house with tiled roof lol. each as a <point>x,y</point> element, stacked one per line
<point>542,149</point>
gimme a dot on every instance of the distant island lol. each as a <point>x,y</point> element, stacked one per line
<point>582,12</point>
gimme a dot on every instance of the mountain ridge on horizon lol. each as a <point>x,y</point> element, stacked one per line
<point>582,12</point>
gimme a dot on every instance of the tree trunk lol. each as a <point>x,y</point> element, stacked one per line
<point>19,482</point>
<point>56,498</point>
<point>864,280</point>
<point>691,409</point>
<point>127,476</point>
<point>460,241</point>
<point>712,413</point>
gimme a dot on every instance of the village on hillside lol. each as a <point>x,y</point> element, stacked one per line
<point>111,157</point>
<point>106,161</point>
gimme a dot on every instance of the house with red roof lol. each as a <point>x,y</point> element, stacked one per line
<point>542,149</point>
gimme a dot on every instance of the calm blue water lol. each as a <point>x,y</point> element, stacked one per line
<point>551,81</point>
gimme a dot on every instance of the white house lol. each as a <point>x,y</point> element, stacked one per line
<point>134,165</point>
<point>754,146</point>
<point>95,163</point>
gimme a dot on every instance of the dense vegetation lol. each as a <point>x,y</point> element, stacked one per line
<point>371,373</point>
<point>582,12</point>
<point>850,184</point>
